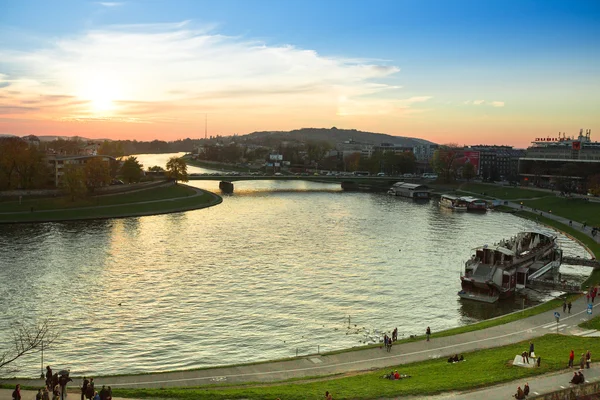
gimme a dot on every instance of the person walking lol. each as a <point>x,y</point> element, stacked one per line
<point>571,358</point>
<point>16,394</point>
<point>582,361</point>
<point>46,394</point>
<point>565,306</point>
<point>48,376</point>
<point>569,305</point>
<point>428,333</point>
<point>84,386</point>
<point>588,359</point>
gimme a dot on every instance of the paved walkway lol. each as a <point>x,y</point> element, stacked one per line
<point>6,394</point>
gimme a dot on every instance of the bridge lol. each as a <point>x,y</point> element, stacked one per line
<point>581,261</point>
<point>348,182</point>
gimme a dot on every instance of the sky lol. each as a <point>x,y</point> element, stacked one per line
<point>462,71</point>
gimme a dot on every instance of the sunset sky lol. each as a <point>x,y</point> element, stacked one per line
<point>476,71</point>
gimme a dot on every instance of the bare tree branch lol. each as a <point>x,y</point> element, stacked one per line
<point>27,339</point>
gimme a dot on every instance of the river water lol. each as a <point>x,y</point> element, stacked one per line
<point>278,267</point>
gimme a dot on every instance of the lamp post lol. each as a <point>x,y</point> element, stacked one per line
<point>42,365</point>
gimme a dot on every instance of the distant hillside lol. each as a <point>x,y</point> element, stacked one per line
<point>333,135</point>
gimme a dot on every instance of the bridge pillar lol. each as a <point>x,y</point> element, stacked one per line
<point>226,187</point>
<point>348,185</point>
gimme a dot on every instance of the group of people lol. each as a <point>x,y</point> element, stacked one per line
<point>455,359</point>
<point>522,393</point>
<point>394,375</point>
<point>56,384</point>
<point>591,294</point>
<point>584,360</point>
<point>578,378</point>
<point>567,305</point>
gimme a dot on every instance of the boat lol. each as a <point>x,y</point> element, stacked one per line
<point>452,202</point>
<point>410,190</point>
<point>495,272</point>
<point>475,204</point>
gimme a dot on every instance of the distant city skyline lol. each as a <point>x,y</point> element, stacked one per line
<point>468,72</point>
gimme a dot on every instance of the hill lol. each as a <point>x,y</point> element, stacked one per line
<point>333,135</point>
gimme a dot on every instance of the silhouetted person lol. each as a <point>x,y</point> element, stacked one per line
<point>16,394</point>
<point>48,376</point>
<point>428,333</point>
<point>62,381</point>
<point>526,389</point>
<point>84,386</point>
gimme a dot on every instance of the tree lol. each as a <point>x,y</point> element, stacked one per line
<point>27,339</point>
<point>352,161</point>
<point>131,170</point>
<point>177,169</point>
<point>594,184</point>
<point>97,173</point>
<point>111,148</point>
<point>468,171</point>
<point>73,180</point>
<point>156,168</point>
<point>445,160</point>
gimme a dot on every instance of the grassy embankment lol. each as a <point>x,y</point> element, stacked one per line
<point>502,192</point>
<point>481,368</point>
<point>593,323</point>
<point>160,200</point>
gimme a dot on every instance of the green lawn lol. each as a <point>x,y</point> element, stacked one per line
<point>55,203</point>
<point>481,368</point>
<point>593,323</point>
<point>165,200</point>
<point>574,209</point>
<point>503,192</point>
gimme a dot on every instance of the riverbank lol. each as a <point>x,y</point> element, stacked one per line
<point>169,198</point>
<point>358,375</point>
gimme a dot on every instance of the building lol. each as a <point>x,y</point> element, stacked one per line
<point>57,164</point>
<point>367,151</point>
<point>424,152</point>
<point>495,162</point>
<point>562,162</point>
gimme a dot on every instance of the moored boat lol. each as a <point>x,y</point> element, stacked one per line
<point>497,271</point>
<point>452,202</point>
<point>410,190</point>
<point>475,204</point>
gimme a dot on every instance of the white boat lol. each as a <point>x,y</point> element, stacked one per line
<point>497,271</point>
<point>454,203</point>
<point>410,190</point>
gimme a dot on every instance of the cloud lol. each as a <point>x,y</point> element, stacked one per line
<point>110,3</point>
<point>174,71</point>
<point>4,84</point>
<point>483,102</point>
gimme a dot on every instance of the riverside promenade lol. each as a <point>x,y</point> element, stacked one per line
<point>359,360</point>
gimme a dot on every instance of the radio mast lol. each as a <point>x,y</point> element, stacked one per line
<point>205,125</point>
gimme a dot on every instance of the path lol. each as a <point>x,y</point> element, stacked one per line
<point>359,360</point>
<point>6,394</point>
<point>575,225</point>
<point>516,206</point>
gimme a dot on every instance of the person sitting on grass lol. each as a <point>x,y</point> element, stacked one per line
<point>396,374</point>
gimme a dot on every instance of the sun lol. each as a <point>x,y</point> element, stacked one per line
<point>101,96</point>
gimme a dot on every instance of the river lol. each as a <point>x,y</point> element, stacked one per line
<point>278,267</point>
